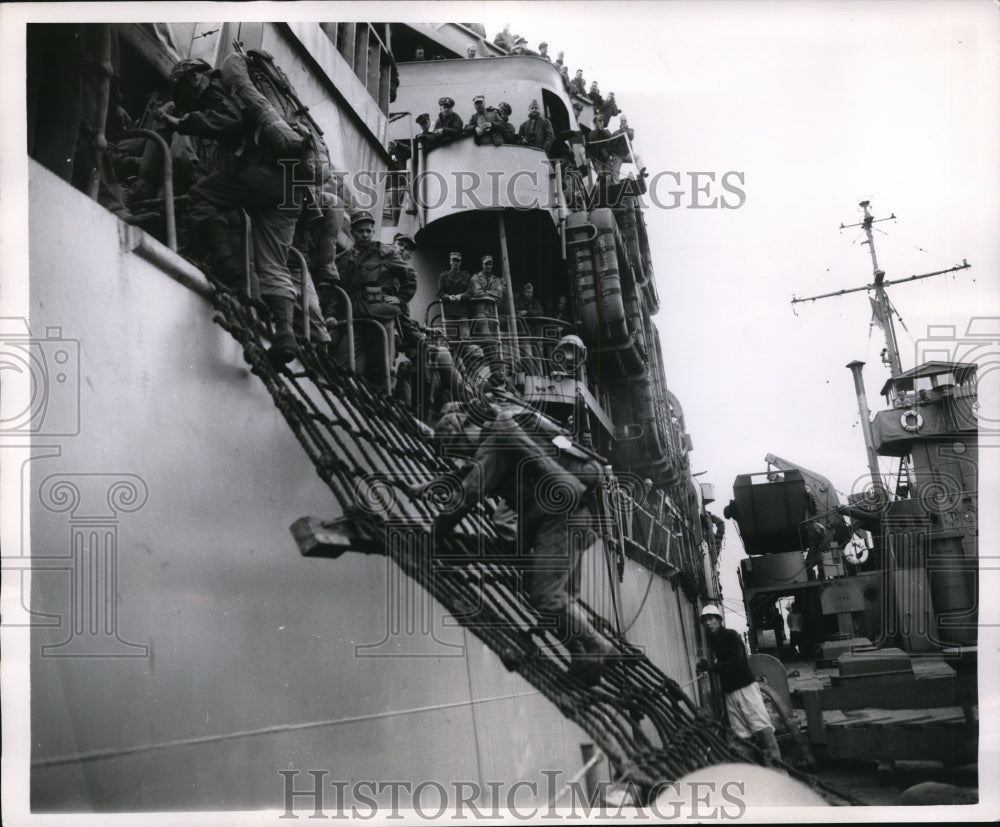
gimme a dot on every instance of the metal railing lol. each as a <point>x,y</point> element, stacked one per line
<point>168,180</point>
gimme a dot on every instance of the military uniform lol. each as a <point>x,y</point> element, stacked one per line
<point>514,461</point>
<point>456,283</point>
<point>619,151</point>
<point>251,179</point>
<point>537,132</point>
<point>506,127</point>
<point>246,181</point>
<point>527,306</point>
<point>487,292</point>
<point>530,332</point>
<point>448,126</point>
<point>488,127</point>
<point>379,284</point>
<point>599,150</point>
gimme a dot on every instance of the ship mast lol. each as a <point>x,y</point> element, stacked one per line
<point>881,306</point>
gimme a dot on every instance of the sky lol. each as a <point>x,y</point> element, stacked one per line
<point>817,106</point>
<point>804,109</point>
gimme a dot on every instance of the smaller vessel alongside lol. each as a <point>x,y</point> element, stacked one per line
<point>881,589</point>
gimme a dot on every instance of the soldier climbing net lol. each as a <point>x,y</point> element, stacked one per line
<point>371,453</point>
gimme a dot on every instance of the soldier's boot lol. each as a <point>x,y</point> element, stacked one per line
<point>402,387</point>
<point>283,346</point>
<point>588,649</point>
<point>768,742</point>
<point>225,263</point>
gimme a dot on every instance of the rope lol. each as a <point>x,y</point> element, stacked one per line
<point>369,450</point>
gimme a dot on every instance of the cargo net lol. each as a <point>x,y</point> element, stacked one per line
<point>375,457</point>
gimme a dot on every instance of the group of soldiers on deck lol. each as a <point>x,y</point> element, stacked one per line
<point>489,125</point>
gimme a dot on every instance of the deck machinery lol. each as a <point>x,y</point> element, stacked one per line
<point>886,583</point>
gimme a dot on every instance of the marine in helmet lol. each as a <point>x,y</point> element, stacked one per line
<point>744,702</point>
<point>520,455</point>
<point>250,179</point>
<point>380,284</point>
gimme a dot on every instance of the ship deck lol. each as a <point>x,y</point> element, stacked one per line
<point>901,740</point>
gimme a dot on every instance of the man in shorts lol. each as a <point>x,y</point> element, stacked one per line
<point>744,702</point>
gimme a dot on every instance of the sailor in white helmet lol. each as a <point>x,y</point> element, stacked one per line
<point>744,702</point>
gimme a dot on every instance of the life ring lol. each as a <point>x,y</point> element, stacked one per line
<point>911,421</point>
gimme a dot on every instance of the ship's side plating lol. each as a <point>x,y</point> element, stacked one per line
<point>183,653</point>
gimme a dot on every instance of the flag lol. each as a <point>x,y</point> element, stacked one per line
<point>877,317</point>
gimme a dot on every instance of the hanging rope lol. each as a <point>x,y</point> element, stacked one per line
<point>373,455</point>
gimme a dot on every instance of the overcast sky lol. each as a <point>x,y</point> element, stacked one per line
<point>814,106</point>
<point>819,106</point>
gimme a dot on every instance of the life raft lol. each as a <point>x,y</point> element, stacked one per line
<point>630,234</point>
<point>649,283</point>
<point>613,319</point>
<point>580,234</point>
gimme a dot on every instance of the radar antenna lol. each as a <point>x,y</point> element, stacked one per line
<point>881,306</point>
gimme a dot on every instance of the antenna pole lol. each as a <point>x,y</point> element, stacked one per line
<point>881,305</point>
<point>883,308</point>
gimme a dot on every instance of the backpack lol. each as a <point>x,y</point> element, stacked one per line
<point>284,127</point>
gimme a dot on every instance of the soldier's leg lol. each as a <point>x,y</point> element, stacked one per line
<point>360,349</point>
<point>370,350</point>
<point>318,334</point>
<point>554,577</point>
<point>276,211</point>
<point>215,194</point>
<point>382,368</point>
<point>272,236</point>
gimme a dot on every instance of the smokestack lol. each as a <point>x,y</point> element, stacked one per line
<point>866,425</point>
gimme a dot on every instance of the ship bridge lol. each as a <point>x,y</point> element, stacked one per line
<point>551,217</point>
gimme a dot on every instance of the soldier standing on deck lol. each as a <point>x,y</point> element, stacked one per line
<point>536,131</point>
<point>379,284</point>
<point>448,126</point>
<point>454,286</point>
<point>411,333</point>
